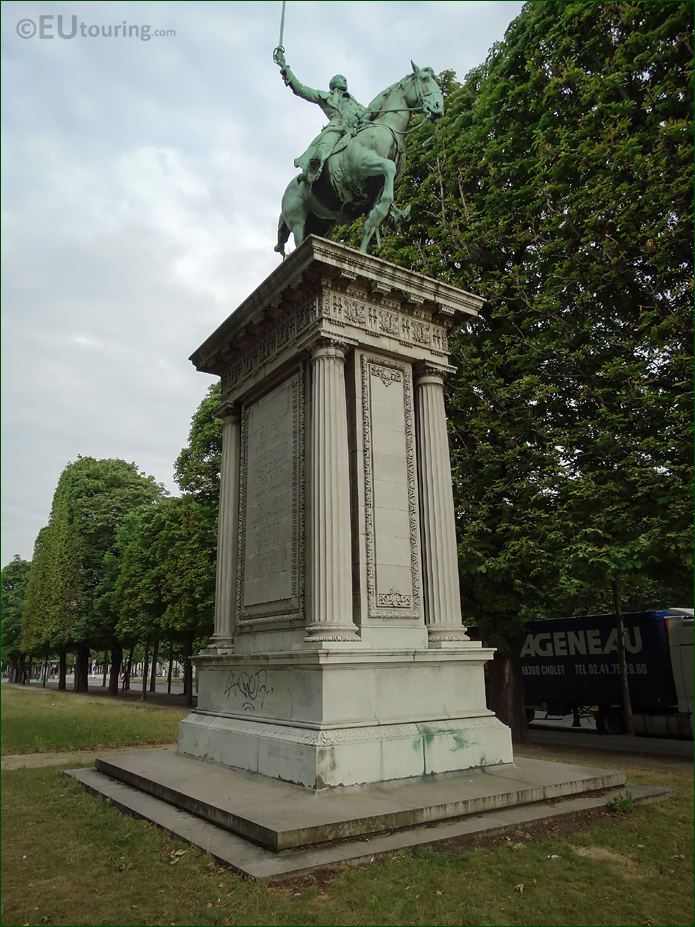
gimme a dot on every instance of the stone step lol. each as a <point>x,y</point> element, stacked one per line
<point>258,862</point>
<point>279,815</point>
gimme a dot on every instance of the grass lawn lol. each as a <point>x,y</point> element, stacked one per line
<point>43,721</point>
<point>71,858</point>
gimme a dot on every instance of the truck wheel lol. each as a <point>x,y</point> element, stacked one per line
<point>610,721</point>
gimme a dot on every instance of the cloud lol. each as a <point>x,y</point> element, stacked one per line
<point>142,183</point>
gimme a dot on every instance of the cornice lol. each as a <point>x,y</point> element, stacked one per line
<point>315,265</point>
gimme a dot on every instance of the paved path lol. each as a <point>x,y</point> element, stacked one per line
<point>623,743</point>
<point>37,760</point>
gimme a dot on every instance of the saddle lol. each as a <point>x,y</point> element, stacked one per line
<point>346,191</point>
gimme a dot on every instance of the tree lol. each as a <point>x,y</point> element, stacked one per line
<point>67,595</point>
<point>189,538</point>
<point>165,585</point>
<point>197,472</point>
<point>15,578</point>
<point>197,467</point>
<point>41,616</point>
<point>558,186</point>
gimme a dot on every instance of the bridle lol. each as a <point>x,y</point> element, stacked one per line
<point>422,98</point>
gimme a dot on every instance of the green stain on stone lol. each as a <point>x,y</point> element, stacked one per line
<point>428,736</point>
<point>460,740</point>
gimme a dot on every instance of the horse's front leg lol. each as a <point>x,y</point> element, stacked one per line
<point>388,170</point>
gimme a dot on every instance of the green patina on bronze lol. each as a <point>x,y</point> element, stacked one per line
<point>350,168</point>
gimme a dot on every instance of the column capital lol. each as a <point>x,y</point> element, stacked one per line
<point>228,411</point>
<point>331,346</point>
<point>427,371</point>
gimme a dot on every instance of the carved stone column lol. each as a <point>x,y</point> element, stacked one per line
<point>439,553</point>
<point>227,531</point>
<point>331,561</point>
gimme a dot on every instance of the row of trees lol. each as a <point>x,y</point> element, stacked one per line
<point>119,565</point>
<point>558,186</point>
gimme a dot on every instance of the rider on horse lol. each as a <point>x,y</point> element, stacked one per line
<point>343,110</point>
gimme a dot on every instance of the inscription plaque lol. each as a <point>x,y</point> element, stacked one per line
<point>270,510</point>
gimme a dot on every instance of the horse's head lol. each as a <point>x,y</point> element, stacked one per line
<point>429,94</point>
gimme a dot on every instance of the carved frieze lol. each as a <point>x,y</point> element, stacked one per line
<point>283,332</point>
<point>329,737</point>
<point>409,325</point>
<point>413,327</point>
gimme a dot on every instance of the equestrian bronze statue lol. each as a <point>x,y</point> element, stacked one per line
<point>350,168</point>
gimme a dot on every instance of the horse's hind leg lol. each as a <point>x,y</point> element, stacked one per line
<point>298,231</point>
<point>293,217</point>
<point>381,209</point>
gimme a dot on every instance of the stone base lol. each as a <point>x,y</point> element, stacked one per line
<point>323,719</point>
<point>265,828</point>
<point>320,759</point>
<point>258,862</point>
<point>280,816</point>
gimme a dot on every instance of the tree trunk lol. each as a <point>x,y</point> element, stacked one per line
<point>62,670</point>
<point>45,672</point>
<point>106,667</point>
<point>507,691</point>
<point>622,662</point>
<point>188,671</point>
<point>155,656</point>
<point>171,666</point>
<point>28,672</point>
<point>14,669</point>
<point>116,663</point>
<point>82,669</point>
<point>20,669</point>
<point>144,670</point>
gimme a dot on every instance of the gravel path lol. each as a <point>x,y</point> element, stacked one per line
<point>62,758</point>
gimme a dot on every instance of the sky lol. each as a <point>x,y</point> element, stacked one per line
<point>141,187</point>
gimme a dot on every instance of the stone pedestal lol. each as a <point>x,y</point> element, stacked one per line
<point>339,654</point>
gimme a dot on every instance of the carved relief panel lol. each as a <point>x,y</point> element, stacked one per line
<point>386,469</point>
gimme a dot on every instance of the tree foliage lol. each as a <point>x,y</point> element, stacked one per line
<point>197,467</point>
<point>558,186</point>
<point>41,616</point>
<point>65,596</point>
<point>166,579</point>
<point>15,579</point>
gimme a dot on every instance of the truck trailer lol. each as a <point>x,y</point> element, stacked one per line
<point>570,666</point>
